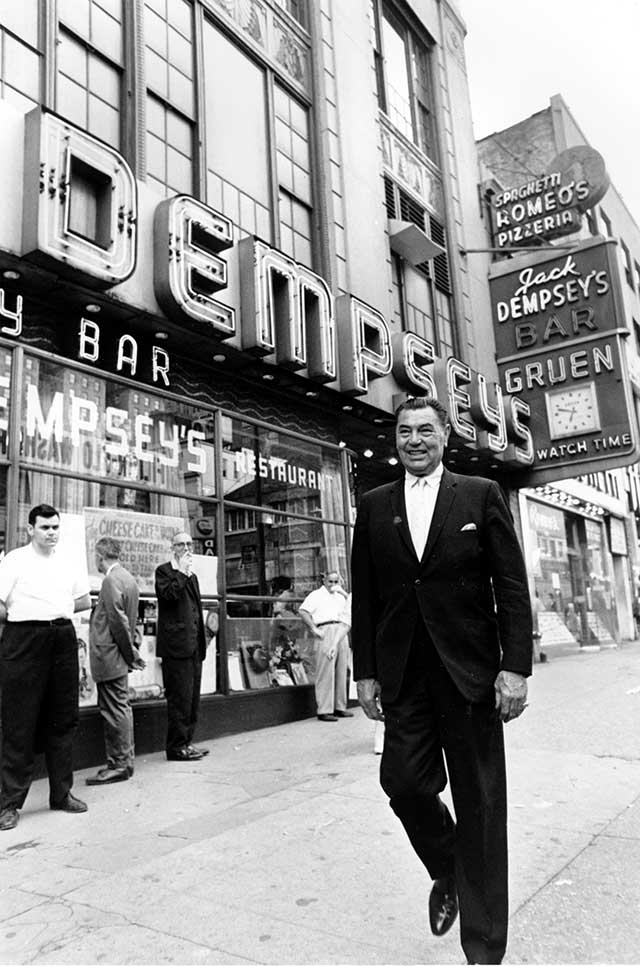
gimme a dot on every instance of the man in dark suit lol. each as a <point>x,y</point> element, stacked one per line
<point>181,644</point>
<point>112,654</point>
<point>442,645</point>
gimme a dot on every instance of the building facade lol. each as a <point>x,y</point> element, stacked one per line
<point>233,237</point>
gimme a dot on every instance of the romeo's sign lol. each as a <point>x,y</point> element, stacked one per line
<point>552,204</point>
<point>559,330</point>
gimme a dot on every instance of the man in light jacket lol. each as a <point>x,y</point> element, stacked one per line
<point>112,654</point>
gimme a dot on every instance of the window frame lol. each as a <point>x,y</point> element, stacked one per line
<point>124,70</point>
<point>416,44</point>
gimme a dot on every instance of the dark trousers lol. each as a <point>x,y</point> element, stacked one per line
<point>39,706</point>
<point>431,718</point>
<point>117,721</point>
<point>181,678</point>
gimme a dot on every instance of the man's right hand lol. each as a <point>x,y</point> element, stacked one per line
<point>185,563</point>
<point>138,663</point>
<point>369,698</point>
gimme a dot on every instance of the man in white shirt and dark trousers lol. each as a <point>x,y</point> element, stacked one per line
<point>39,593</point>
<point>323,612</point>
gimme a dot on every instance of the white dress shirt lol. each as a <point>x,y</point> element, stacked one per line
<point>39,587</point>
<point>324,606</point>
<point>420,495</point>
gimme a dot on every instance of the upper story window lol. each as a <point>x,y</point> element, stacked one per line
<point>403,77</point>
<point>296,8</point>
<point>90,66</point>
<point>422,294</point>
<point>20,56</point>
<point>258,171</point>
<point>170,107</point>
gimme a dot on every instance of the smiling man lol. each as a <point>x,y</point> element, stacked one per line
<point>39,593</point>
<point>442,645</point>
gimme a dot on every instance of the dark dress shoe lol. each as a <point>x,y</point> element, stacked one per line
<point>8,818</point>
<point>201,751</point>
<point>343,714</point>
<point>327,717</point>
<point>184,754</point>
<point>443,906</point>
<point>107,776</point>
<point>69,804</point>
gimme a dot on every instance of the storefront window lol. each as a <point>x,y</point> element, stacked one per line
<point>77,421</point>
<point>89,511</point>
<point>262,550</point>
<point>269,652</point>
<point>269,469</point>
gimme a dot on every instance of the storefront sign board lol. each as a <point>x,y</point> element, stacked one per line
<point>559,330</point>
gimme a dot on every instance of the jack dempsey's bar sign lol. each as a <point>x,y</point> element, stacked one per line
<point>559,330</point>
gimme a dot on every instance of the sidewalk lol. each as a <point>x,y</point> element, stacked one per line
<point>279,847</point>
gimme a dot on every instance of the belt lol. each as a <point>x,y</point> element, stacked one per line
<point>324,623</point>
<point>56,622</point>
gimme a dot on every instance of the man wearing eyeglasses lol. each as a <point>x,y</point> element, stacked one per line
<point>181,643</point>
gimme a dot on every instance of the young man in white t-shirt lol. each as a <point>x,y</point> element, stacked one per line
<point>39,593</point>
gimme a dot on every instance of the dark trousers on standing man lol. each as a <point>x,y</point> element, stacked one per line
<point>117,721</point>
<point>428,717</point>
<point>39,677</point>
<point>181,678</point>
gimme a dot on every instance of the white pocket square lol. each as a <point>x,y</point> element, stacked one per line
<point>468,526</point>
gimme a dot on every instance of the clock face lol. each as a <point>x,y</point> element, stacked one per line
<point>573,411</point>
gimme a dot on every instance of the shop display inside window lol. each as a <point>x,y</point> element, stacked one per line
<point>269,652</point>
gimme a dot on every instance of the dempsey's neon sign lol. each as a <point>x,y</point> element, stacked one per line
<point>289,315</point>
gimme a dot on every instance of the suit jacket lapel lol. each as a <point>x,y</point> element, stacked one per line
<point>446,496</point>
<point>399,512</point>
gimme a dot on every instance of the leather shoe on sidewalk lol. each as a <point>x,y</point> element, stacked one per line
<point>443,906</point>
<point>106,776</point>
<point>68,804</point>
<point>8,818</point>
<point>201,751</point>
<point>327,717</point>
<point>184,754</point>
<point>343,714</point>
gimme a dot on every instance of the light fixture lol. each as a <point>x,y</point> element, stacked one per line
<point>378,421</point>
<point>392,461</point>
<point>311,394</point>
<point>92,308</point>
<point>368,453</point>
<point>161,336</point>
<point>342,444</point>
<point>219,357</point>
<point>12,275</point>
<point>381,436</point>
<point>268,377</point>
<point>347,408</point>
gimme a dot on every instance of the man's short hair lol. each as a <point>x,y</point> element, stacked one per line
<point>109,548</point>
<point>424,402</point>
<point>42,510</point>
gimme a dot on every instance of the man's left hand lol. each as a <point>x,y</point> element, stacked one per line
<point>511,694</point>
